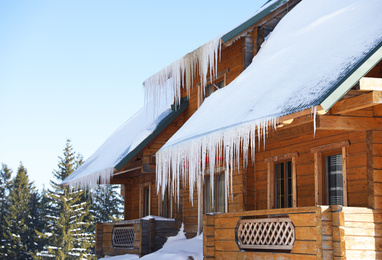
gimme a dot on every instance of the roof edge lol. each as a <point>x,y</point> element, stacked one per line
<point>161,126</point>
<point>360,70</point>
<point>253,20</point>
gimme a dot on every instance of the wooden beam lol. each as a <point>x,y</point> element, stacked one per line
<point>283,157</point>
<point>348,123</point>
<point>328,147</point>
<point>356,103</point>
<point>369,84</point>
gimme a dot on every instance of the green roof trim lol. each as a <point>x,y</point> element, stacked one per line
<point>161,126</point>
<point>360,70</point>
<point>244,26</point>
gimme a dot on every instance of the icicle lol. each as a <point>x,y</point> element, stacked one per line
<point>90,181</point>
<point>180,74</point>
<point>187,160</point>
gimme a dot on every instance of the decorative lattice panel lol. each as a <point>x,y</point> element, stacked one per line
<point>123,236</point>
<point>269,233</point>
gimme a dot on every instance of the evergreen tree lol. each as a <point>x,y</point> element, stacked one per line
<point>35,221</point>
<point>5,177</point>
<point>18,235</point>
<point>67,214</point>
<point>107,204</point>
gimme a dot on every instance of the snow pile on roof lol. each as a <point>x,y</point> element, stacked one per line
<point>309,52</point>
<point>100,166</point>
<point>181,72</point>
<point>177,247</point>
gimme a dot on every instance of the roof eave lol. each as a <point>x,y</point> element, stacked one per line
<point>250,22</point>
<point>351,78</point>
<point>161,126</point>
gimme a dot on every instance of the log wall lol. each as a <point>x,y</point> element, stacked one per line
<point>150,235</point>
<point>300,139</point>
<point>323,232</point>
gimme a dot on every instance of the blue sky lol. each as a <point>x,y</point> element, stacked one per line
<point>74,69</point>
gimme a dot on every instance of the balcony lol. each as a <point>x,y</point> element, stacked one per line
<point>322,232</point>
<point>138,236</point>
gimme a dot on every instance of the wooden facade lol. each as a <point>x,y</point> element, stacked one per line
<point>351,128</point>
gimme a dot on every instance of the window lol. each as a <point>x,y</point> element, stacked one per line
<point>217,202</point>
<point>212,88</point>
<point>281,192</point>
<point>330,174</point>
<point>333,180</point>
<point>144,199</point>
<point>165,202</point>
<point>218,82</point>
<point>283,182</point>
<point>146,202</point>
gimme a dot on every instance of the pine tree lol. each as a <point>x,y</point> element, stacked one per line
<point>107,204</point>
<point>5,177</point>
<point>35,221</point>
<point>18,233</point>
<point>67,214</point>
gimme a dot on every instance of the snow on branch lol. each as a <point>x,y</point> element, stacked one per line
<point>180,74</point>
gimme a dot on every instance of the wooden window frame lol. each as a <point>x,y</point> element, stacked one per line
<point>222,173</point>
<point>271,161</point>
<point>142,188</point>
<point>320,152</point>
<point>221,76</point>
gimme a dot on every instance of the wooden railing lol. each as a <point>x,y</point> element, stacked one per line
<point>123,236</point>
<point>266,233</point>
<point>138,236</point>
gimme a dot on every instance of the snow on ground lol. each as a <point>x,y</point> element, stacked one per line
<point>176,248</point>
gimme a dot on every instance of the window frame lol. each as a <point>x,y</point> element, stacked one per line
<point>271,193</point>
<point>220,77</point>
<point>162,204</point>
<point>142,188</point>
<point>221,174</point>
<point>320,154</point>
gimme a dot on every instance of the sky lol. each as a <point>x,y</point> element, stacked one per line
<point>74,69</point>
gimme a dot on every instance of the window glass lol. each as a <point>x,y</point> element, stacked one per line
<point>334,180</point>
<point>146,195</point>
<point>218,205</point>
<point>283,183</point>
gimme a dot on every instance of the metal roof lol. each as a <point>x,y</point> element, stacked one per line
<point>253,20</point>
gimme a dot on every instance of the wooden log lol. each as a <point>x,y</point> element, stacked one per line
<point>348,123</point>
<point>369,84</point>
<point>356,103</point>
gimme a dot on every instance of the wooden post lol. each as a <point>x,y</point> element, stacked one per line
<point>370,170</point>
<point>271,186</point>
<point>318,178</point>
<point>151,235</point>
<point>344,178</point>
<point>99,239</point>
<point>209,236</point>
<point>294,182</point>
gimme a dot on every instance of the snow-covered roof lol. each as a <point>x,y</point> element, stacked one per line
<point>122,146</point>
<point>316,53</point>
<point>203,60</point>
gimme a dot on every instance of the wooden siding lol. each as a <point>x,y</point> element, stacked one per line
<point>324,232</point>
<point>150,235</point>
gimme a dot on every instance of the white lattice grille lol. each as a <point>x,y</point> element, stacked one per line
<point>123,236</point>
<point>270,233</point>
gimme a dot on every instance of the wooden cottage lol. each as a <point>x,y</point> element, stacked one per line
<point>273,153</point>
